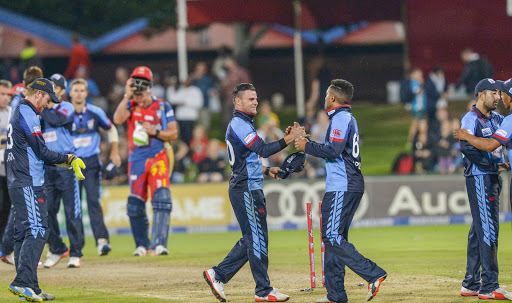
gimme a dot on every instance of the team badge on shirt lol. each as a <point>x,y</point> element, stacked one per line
<point>249,138</point>
<point>502,133</point>
<point>486,132</point>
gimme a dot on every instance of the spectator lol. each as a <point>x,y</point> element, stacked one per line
<point>181,161</point>
<point>188,100</point>
<point>319,128</point>
<point>218,67</point>
<point>476,68</point>
<point>9,71</point>
<point>206,84</point>
<point>235,74</point>
<point>435,89</point>
<point>270,132</point>
<point>265,115</point>
<point>157,89</point>
<point>199,144</point>
<point>422,149</point>
<point>117,91</point>
<point>79,57</point>
<point>211,168</point>
<point>319,84</point>
<point>93,90</point>
<point>445,145</point>
<point>418,104</point>
<point>29,56</point>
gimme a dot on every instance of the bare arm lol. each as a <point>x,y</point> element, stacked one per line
<point>122,113</point>
<point>487,145</point>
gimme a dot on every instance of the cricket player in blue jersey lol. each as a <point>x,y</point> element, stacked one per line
<point>88,119</point>
<point>344,189</point>
<point>247,198</point>
<point>26,154</point>
<point>482,133</point>
<point>60,182</point>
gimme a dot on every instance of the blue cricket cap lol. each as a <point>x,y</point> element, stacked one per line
<point>486,84</point>
<point>506,86</point>
<point>59,80</point>
<point>294,163</point>
<point>45,85</point>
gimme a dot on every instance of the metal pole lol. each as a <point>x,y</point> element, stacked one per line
<point>299,70</point>
<point>181,40</point>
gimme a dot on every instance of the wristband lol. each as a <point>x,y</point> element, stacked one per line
<point>267,170</point>
<point>282,143</point>
<point>157,133</point>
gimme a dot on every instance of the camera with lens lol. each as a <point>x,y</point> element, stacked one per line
<point>141,85</point>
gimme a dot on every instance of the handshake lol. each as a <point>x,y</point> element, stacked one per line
<point>298,134</point>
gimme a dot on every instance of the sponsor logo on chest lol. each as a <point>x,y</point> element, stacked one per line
<point>486,132</point>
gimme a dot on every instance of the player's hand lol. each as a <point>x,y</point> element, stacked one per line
<point>300,144</point>
<point>288,130</point>
<point>460,134</point>
<point>128,89</point>
<point>77,165</point>
<point>116,159</point>
<point>272,173</point>
<point>148,127</point>
<point>504,166</point>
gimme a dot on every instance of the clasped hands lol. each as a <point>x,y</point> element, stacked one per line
<point>298,134</point>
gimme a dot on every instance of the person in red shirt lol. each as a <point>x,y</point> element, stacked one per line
<point>80,56</point>
<point>151,123</point>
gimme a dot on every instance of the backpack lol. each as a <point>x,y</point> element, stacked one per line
<point>406,94</point>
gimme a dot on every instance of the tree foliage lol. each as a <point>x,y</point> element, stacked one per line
<point>93,18</point>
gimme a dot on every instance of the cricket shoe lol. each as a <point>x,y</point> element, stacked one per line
<point>46,296</point>
<point>74,262</point>
<point>53,259</point>
<point>325,300</point>
<point>466,292</point>
<point>373,288</point>
<point>497,294</point>
<point>103,247</point>
<point>141,251</point>
<point>216,286</point>
<point>160,250</point>
<point>9,259</point>
<point>273,296</point>
<point>26,292</point>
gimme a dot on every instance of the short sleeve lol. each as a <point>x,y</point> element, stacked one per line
<point>103,120</point>
<point>468,123</point>
<point>169,113</point>
<point>339,128</point>
<point>504,133</point>
<point>244,131</point>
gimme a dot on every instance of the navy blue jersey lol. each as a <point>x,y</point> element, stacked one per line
<point>86,136</point>
<point>504,134</point>
<point>57,126</point>
<point>477,162</point>
<point>244,147</point>
<point>26,151</point>
<point>341,152</point>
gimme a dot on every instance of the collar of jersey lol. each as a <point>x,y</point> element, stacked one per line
<point>243,115</point>
<point>337,109</point>
<point>31,105</point>
<point>480,114</point>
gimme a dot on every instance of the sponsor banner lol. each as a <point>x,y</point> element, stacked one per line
<point>388,201</point>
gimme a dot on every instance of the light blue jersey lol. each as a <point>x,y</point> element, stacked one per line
<point>86,136</point>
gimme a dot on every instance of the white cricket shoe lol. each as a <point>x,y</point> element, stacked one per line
<point>273,296</point>
<point>74,262</point>
<point>466,292</point>
<point>46,296</point>
<point>9,259</point>
<point>160,250</point>
<point>497,294</point>
<point>216,286</point>
<point>141,251</point>
<point>53,259</point>
<point>103,247</point>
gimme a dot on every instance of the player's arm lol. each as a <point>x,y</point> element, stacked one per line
<point>122,112</point>
<point>58,116</point>
<point>271,172</point>
<point>340,128</point>
<point>484,144</point>
<point>254,143</point>
<point>32,128</point>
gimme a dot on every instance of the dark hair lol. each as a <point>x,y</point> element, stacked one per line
<point>343,90</point>
<point>437,68</point>
<point>31,74</point>
<point>240,88</point>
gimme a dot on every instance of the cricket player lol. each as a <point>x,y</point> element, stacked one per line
<point>26,154</point>
<point>344,189</point>
<point>61,183</point>
<point>151,123</point>
<point>487,131</point>
<point>247,198</point>
<point>87,121</point>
